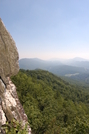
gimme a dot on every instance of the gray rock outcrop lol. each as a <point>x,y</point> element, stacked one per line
<point>10,107</point>
<point>8,54</point>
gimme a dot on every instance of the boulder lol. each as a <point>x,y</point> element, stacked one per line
<point>10,106</point>
<point>8,54</point>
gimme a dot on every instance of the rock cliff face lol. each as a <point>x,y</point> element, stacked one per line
<point>10,107</point>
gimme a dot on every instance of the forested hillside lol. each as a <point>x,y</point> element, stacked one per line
<point>53,106</point>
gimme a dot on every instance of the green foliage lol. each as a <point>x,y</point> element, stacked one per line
<point>79,126</point>
<point>51,104</point>
<point>15,128</point>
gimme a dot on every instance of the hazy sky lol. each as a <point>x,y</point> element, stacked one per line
<point>48,28</point>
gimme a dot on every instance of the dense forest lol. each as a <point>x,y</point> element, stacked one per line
<point>52,105</point>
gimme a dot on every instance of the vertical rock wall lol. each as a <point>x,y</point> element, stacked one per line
<point>10,107</point>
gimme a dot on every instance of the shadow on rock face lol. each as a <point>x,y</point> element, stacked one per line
<point>8,54</point>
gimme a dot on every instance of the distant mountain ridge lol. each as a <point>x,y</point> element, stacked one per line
<point>35,63</point>
<point>55,66</point>
<point>79,59</point>
<point>70,69</point>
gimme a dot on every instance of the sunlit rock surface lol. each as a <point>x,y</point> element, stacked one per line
<point>8,54</point>
<point>10,106</point>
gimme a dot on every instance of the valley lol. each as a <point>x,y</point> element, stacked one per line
<point>75,70</point>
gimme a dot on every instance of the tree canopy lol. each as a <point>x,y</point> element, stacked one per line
<point>52,104</point>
